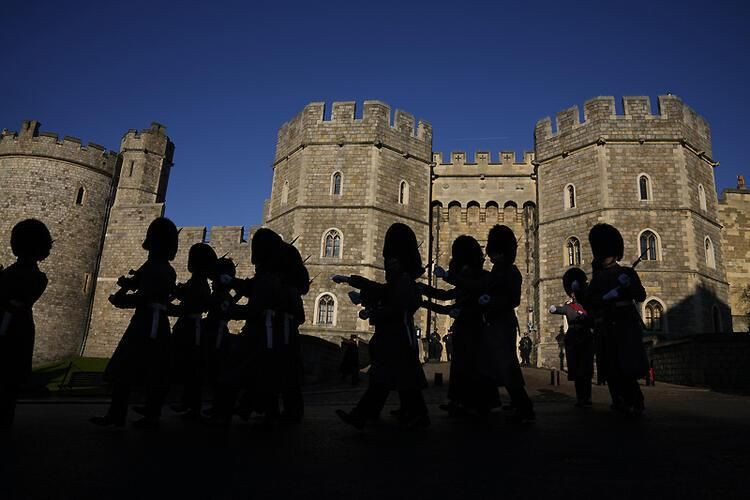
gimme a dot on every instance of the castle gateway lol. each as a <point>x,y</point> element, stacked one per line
<point>339,183</point>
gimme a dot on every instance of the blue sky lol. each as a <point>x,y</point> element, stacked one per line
<point>223,76</point>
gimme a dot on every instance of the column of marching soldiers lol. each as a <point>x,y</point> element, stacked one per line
<point>260,369</point>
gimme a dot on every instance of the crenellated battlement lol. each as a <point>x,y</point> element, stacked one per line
<point>674,121</point>
<point>153,139</point>
<point>219,235</point>
<point>30,141</point>
<point>507,164</point>
<point>313,126</point>
<point>505,158</point>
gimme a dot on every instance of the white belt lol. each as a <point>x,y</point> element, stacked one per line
<point>409,333</point>
<point>269,328</point>
<point>220,333</point>
<point>197,319</point>
<point>155,308</point>
<point>7,316</point>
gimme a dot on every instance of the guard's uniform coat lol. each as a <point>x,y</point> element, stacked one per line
<point>143,355</point>
<point>21,285</point>
<point>393,349</point>
<point>617,325</point>
<point>190,340</point>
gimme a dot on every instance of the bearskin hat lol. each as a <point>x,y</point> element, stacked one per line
<point>161,237</point>
<point>31,238</point>
<point>401,243</point>
<point>606,241</point>
<point>265,247</point>
<point>571,275</point>
<point>201,258</point>
<point>502,240</point>
<point>466,251</point>
<point>224,265</point>
<point>295,272</point>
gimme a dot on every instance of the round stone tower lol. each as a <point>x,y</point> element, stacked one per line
<point>339,182</point>
<point>69,187</point>
<point>650,175</point>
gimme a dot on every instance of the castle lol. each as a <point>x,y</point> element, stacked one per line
<point>339,181</point>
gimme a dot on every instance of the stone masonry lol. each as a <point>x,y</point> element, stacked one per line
<point>734,214</point>
<point>68,186</point>
<point>373,159</point>
<point>345,176</point>
<point>471,197</point>
<point>602,158</point>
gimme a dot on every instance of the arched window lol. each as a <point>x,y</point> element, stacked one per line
<point>653,314</point>
<point>326,309</point>
<point>332,244</point>
<point>644,188</point>
<point>80,196</point>
<point>285,192</point>
<point>702,197</point>
<point>403,193</point>
<point>573,247</point>
<point>336,183</point>
<point>649,245</point>
<point>570,196</point>
<point>710,256</point>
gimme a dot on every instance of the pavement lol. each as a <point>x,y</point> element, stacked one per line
<point>691,443</point>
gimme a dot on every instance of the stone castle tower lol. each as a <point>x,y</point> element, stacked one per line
<point>470,198</point>
<point>339,182</point>
<point>146,161</point>
<point>651,175</point>
<point>69,187</point>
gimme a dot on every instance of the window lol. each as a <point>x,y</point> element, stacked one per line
<point>702,197</point>
<point>86,282</point>
<point>644,188</point>
<point>336,183</point>
<point>649,245</point>
<point>130,168</point>
<point>285,192</point>
<point>570,196</point>
<point>652,316</point>
<point>574,251</point>
<point>403,193</point>
<point>710,257</point>
<point>326,307</point>
<point>80,196</point>
<point>332,244</point>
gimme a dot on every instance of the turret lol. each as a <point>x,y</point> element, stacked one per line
<point>146,163</point>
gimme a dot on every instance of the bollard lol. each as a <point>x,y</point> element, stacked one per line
<point>557,378</point>
<point>438,379</point>
<point>552,377</point>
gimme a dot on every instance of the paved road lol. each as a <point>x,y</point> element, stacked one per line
<point>692,444</point>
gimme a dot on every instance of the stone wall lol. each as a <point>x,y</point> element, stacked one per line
<point>469,197</point>
<point>373,158</point>
<point>147,159</point>
<point>602,158</point>
<point>734,214</point>
<point>718,362</point>
<point>67,186</point>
